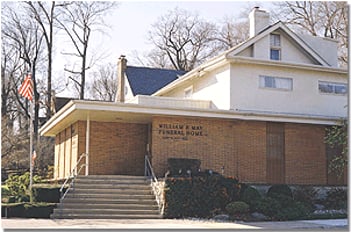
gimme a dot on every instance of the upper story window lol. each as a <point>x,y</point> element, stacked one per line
<point>276,82</point>
<point>332,87</point>
<point>275,40</point>
<point>275,52</point>
<point>188,92</point>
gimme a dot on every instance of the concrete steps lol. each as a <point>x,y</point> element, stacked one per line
<point>109,197</point>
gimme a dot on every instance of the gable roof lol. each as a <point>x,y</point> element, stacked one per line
<point>278,25</point>
<point>146,81</point>
<point>232,54</point>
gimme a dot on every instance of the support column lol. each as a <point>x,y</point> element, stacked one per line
<point>87,140</point>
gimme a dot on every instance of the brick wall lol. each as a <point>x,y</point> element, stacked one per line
<point>116,148</point>
<point>240,146</point>
<point>305,157</point>
<point>236,146</point>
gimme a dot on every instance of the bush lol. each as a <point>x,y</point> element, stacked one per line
<point>5,191</point>
<point>19,186</point>
<point>250,196</point>
<point>237,207</point>
<point>46,193</point>
<point>295,211</point>
<point>336,199</point>
<point>305,195</point>
<point>180,166</point>
<point>25,210</point>
<point>200,196</point>
<point>268,206</point>
<point>278,190</point>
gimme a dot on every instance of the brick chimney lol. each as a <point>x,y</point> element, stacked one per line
<point>121,65</point>
<point>259,20</point>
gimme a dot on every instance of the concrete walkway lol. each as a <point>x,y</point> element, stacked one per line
<point>338,224</point>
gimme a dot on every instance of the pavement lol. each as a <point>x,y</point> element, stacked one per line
<point>19,224</point>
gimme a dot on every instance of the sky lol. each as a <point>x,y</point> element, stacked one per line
<point>130,22</point>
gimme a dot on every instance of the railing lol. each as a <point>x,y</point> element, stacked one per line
<point>157,187</point>
<point>72,176</point>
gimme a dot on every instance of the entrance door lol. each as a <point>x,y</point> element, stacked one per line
<point>275,153</point>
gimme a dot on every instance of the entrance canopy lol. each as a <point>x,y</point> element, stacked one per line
<point>143,108</point>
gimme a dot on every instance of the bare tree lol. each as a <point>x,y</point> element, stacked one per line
<point>183,38</point>
<point>104,86</point>
<point>25,37</point>
<point>318,18</point>
<point>232,32</point>
<point>79,20</point>
<point>44,14</point>
<point>10,68</point>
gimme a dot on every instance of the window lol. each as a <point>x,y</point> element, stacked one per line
<point>188,92</point>
<point>276,82</point>
<point>275,53</point>
<point>275,40</point>
<point>332,88</point>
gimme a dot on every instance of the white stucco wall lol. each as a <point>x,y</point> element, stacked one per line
<point>246,95</point>
<point>212,86</point>
<point>291,53</point>
<point>261,49</point>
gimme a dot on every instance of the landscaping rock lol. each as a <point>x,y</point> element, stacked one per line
<point>258,216</point>
<point>331,211</point>
<point>221,217</point>
<point>319,206</point>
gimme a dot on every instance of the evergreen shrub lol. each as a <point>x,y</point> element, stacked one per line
<point>336,199</point>
<point>278,190</point>
<point>199,196</point>
<point>47,193</point>
<point>27,210</point>
<point>250,196</point>
<point>237,207</point>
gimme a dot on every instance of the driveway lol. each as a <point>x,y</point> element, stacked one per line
<point>338,224</point>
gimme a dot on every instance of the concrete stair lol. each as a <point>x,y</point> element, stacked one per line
<point>109,197</point>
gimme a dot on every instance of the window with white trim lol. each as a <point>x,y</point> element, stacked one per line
<point>332,87</point>
<point>188,92</point>
<point>275,52</point>
<point>276,82</point>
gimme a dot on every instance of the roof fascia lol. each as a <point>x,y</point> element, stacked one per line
<point>183,112</point>
<point>250,60</point>
<point>61,114</point>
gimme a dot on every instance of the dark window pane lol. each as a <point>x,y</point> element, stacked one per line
<point>275,54</point>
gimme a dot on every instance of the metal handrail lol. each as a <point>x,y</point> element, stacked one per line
<point>158,191</point>
<point>73,174</point>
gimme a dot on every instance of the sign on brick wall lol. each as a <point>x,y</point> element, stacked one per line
<point>180,131</point>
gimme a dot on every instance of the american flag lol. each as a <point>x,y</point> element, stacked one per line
<point>26,89</point>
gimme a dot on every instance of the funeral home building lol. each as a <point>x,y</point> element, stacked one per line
<point>258,112</point>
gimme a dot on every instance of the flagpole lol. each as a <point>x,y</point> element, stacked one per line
<point>30,151</point>
<point>26,90</point>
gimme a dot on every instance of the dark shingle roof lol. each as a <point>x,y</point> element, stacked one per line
<point>146,81</point>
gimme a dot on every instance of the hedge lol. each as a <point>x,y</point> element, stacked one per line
<point>199,196</point>
<point>46,193</point>
<point>27,210</point>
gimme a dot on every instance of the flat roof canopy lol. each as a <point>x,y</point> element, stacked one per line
<point>81,110</point>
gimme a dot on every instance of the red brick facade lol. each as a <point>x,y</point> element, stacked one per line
<point>233,147</point>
